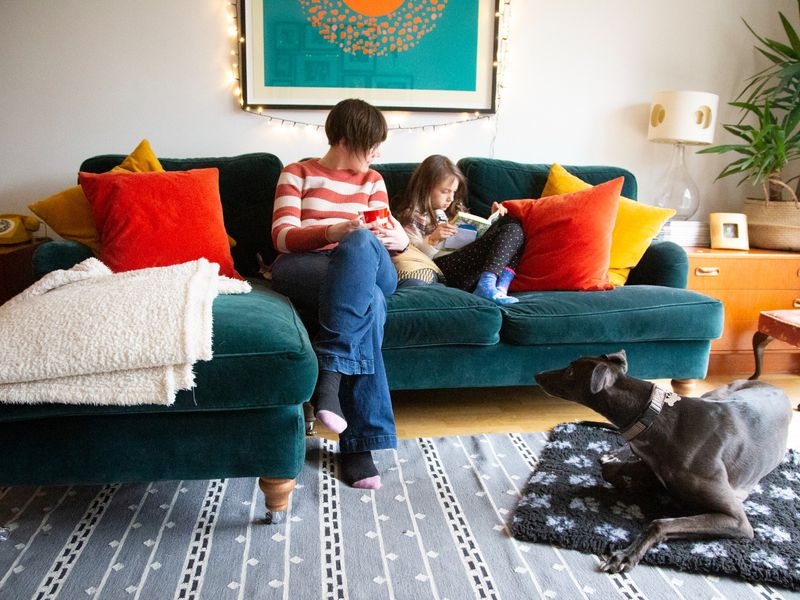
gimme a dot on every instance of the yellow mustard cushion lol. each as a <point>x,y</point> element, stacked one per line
<point>69,214</point>
<point>636,226</point>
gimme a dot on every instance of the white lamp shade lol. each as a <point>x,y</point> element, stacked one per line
<point>685,117</point>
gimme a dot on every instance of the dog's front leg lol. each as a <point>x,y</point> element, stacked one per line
<point>697,526</point>
<point>624,470</point>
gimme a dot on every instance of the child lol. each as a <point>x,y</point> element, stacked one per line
<point>486,266</point>
<point>333,264</point>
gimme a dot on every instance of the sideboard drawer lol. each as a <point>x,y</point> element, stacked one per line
<point>714,273</point>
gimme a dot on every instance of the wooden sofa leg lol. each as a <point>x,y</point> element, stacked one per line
<point>276,497</point>
<point>684,387</point>
<point>308,415</point>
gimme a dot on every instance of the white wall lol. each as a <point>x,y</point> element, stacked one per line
<point>85,77</point>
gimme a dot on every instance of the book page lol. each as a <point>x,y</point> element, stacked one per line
<point>466,235</point>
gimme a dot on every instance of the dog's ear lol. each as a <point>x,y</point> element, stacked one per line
<point>602,377</point>
<point>619,358</point>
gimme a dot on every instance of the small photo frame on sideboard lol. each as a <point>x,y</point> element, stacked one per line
<point>728,231</point>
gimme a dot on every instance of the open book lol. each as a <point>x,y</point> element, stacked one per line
<point>470,228</point>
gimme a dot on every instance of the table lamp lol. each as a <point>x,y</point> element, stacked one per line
<point>681,118</point>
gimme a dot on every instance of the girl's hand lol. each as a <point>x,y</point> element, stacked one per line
<point>497,207</point>
<point>442,232</point>
<point>338,231</point>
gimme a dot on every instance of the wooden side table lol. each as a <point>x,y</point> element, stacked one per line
<point>16,268</point>
<point>747,282</point>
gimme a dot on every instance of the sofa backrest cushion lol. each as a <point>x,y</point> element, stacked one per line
<point>396,176</point>
<point>493,180</point>
<point>247,190</point>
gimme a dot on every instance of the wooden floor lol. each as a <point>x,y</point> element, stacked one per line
<point>432,413</point>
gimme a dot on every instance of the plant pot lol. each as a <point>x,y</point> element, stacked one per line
<point>773,225</point>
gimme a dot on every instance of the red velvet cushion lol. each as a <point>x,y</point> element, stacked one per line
<point>158,219</point>
<point>567,239</point>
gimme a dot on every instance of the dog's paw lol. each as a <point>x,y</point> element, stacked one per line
<point>618,561</point>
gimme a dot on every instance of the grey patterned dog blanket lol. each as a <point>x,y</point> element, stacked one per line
<point>566,502</point>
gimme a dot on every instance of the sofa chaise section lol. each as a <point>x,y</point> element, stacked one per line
<point>244,417</point>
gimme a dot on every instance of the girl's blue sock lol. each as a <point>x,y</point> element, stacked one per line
<point>506,277</point>
<point>487,288</point>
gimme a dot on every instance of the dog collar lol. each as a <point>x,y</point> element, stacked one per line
<point>657,399</point>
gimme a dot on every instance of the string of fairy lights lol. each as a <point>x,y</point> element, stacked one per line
<point>394,118</point>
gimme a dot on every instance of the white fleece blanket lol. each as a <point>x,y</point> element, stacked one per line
<point>90,336</point>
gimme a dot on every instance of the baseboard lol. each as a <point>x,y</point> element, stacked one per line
<point>777,361</point>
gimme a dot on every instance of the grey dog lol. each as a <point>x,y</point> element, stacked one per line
<point>709,451</point>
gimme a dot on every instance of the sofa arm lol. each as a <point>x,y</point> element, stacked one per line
<point>664,263</point>
<point>61,254</point>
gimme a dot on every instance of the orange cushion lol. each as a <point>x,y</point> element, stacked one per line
<point>158,219</point>
<point>567,239</point>
<point>68,213</point>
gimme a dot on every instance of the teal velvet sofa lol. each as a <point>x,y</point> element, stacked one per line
<point>444,338</point>
<point>245,417</point>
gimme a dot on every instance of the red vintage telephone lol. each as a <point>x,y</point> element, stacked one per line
<point>15,229</point>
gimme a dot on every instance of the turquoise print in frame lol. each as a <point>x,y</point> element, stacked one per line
<point>397,54</point>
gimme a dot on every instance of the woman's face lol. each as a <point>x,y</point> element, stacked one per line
<point>443,193</point>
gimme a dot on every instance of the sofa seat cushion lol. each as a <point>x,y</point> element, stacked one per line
<point>262,357</point>
<point>640,313</point>
<point>436,315</point>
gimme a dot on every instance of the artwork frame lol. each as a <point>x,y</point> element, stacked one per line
<point>448,63</point>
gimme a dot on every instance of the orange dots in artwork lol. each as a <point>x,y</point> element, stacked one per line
<point>373,27</point>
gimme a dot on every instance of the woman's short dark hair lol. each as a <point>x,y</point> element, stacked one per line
<point>358,124</point>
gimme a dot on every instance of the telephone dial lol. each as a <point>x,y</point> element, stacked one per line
<point>15,229</point>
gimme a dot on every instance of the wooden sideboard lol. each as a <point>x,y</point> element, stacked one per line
<point>747,282</point>
<point>16,268</point>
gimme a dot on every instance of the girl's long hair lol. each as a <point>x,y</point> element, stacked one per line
<point>417,197</point>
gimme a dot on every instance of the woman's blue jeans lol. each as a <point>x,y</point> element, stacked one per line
<point>348,286</point>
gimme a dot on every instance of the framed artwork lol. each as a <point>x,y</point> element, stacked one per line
<point>728,230</point>
<point>427,55</point>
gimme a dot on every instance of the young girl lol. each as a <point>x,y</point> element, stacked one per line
<point>332,264</point>
<point>484,267</point>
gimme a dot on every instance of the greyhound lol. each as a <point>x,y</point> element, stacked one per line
<point>708,451</point>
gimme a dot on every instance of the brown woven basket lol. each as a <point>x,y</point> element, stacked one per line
<point>773,225</point>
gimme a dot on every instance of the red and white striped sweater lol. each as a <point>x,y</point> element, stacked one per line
<point>310,197</point>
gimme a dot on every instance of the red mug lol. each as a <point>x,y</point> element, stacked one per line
<point>375,217</point>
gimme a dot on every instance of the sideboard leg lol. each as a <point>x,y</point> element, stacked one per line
<point>760,341</point>
<point>684,387</point>
<point>276,496</point>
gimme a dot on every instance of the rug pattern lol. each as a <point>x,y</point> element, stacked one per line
<point>439,528</point>
<point>567,502</point>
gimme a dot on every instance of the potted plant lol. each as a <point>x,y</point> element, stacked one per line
<point>769,141</point>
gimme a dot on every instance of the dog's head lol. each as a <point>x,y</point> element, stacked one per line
<point>585,378</point>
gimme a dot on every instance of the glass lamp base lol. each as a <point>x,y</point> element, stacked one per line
<point>678,190</point>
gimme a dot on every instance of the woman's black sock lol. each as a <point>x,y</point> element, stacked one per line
<point>359,470</point>
<point>326,401</point>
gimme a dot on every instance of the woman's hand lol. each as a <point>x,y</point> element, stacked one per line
<point>497,207</point>
<point>442,232</point>
<point>338,231</point>
<point>394,238</point>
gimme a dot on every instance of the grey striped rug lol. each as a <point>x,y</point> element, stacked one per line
<point>437,529</point>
